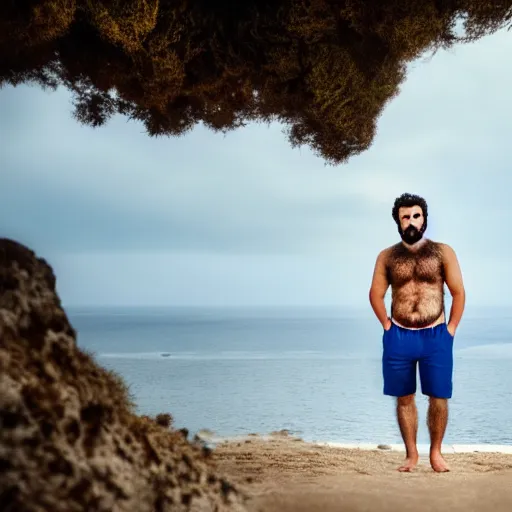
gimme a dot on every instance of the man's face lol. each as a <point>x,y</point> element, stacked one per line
<point>411,223</point>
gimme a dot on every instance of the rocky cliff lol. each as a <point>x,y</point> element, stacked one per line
<point>69,437</point>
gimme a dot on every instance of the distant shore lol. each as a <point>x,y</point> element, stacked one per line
<point>280,472</point>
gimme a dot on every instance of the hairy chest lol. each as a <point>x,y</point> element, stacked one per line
<point>426,268</point>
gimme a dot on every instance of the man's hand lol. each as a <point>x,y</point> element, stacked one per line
<point>387,324</point>
<point>451,329</point>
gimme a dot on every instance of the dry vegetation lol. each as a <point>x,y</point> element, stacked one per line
<point>324,68</point>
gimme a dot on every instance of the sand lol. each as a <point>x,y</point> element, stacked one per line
<point>282,473</point>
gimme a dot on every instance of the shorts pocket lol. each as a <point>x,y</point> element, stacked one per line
<point>385,333</point>
<point>448,332</point>
<point>390,327</point>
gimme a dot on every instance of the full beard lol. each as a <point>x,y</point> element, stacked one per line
<point>412,234</point>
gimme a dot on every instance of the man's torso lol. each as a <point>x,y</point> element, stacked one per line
<point>417,285</point>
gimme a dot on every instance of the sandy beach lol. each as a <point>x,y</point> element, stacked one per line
<point>282,473</point>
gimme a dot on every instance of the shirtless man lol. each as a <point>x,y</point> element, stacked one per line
<point>416,331</point>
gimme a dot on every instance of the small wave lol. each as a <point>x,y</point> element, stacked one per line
<point>230,355</point>
<point>491,351</point>
<point>145,355</point>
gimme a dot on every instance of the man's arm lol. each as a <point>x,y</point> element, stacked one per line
<point>453,278</point>
<point>378,290</point>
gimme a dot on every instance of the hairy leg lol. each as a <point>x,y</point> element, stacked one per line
<point>437,421</point>
<point>407,415</point>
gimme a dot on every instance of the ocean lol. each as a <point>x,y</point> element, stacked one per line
<point>316,373</point>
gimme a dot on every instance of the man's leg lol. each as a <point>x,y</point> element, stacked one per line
<point>436,372</point>
<point>437,421</point>
<point>407,415</point>
<point>399,371</point>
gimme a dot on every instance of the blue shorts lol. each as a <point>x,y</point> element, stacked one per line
<point>431,348</point>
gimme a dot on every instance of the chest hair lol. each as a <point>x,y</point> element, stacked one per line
<point>422,266</point>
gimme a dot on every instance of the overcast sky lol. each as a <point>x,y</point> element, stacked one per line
<point>244,219</point>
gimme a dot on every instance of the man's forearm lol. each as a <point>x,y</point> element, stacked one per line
<point>457,309</point>
<point>379,308</point>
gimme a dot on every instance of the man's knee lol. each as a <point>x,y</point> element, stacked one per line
<point>403,401</point>
<point>438,402</point>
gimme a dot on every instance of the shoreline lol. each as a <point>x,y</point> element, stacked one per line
<point>213,442</point>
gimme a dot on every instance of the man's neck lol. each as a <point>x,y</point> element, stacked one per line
<point>416,246</point>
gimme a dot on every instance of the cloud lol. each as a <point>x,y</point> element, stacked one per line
<point>76,192</point>
<point>111,188</point>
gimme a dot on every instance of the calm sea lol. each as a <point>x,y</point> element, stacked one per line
<point>316,373</point>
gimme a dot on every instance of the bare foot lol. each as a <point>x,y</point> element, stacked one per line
<point>438,463</point>
<point>409,464</point>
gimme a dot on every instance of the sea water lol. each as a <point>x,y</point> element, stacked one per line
<point>316,373</point>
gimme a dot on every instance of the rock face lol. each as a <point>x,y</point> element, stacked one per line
<point>69,438</point>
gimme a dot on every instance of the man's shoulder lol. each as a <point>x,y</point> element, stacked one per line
<point>385,253</point>
<point>445,250</point>
<point>443,246</point>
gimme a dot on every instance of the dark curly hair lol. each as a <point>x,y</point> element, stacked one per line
<point>407,200</point>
